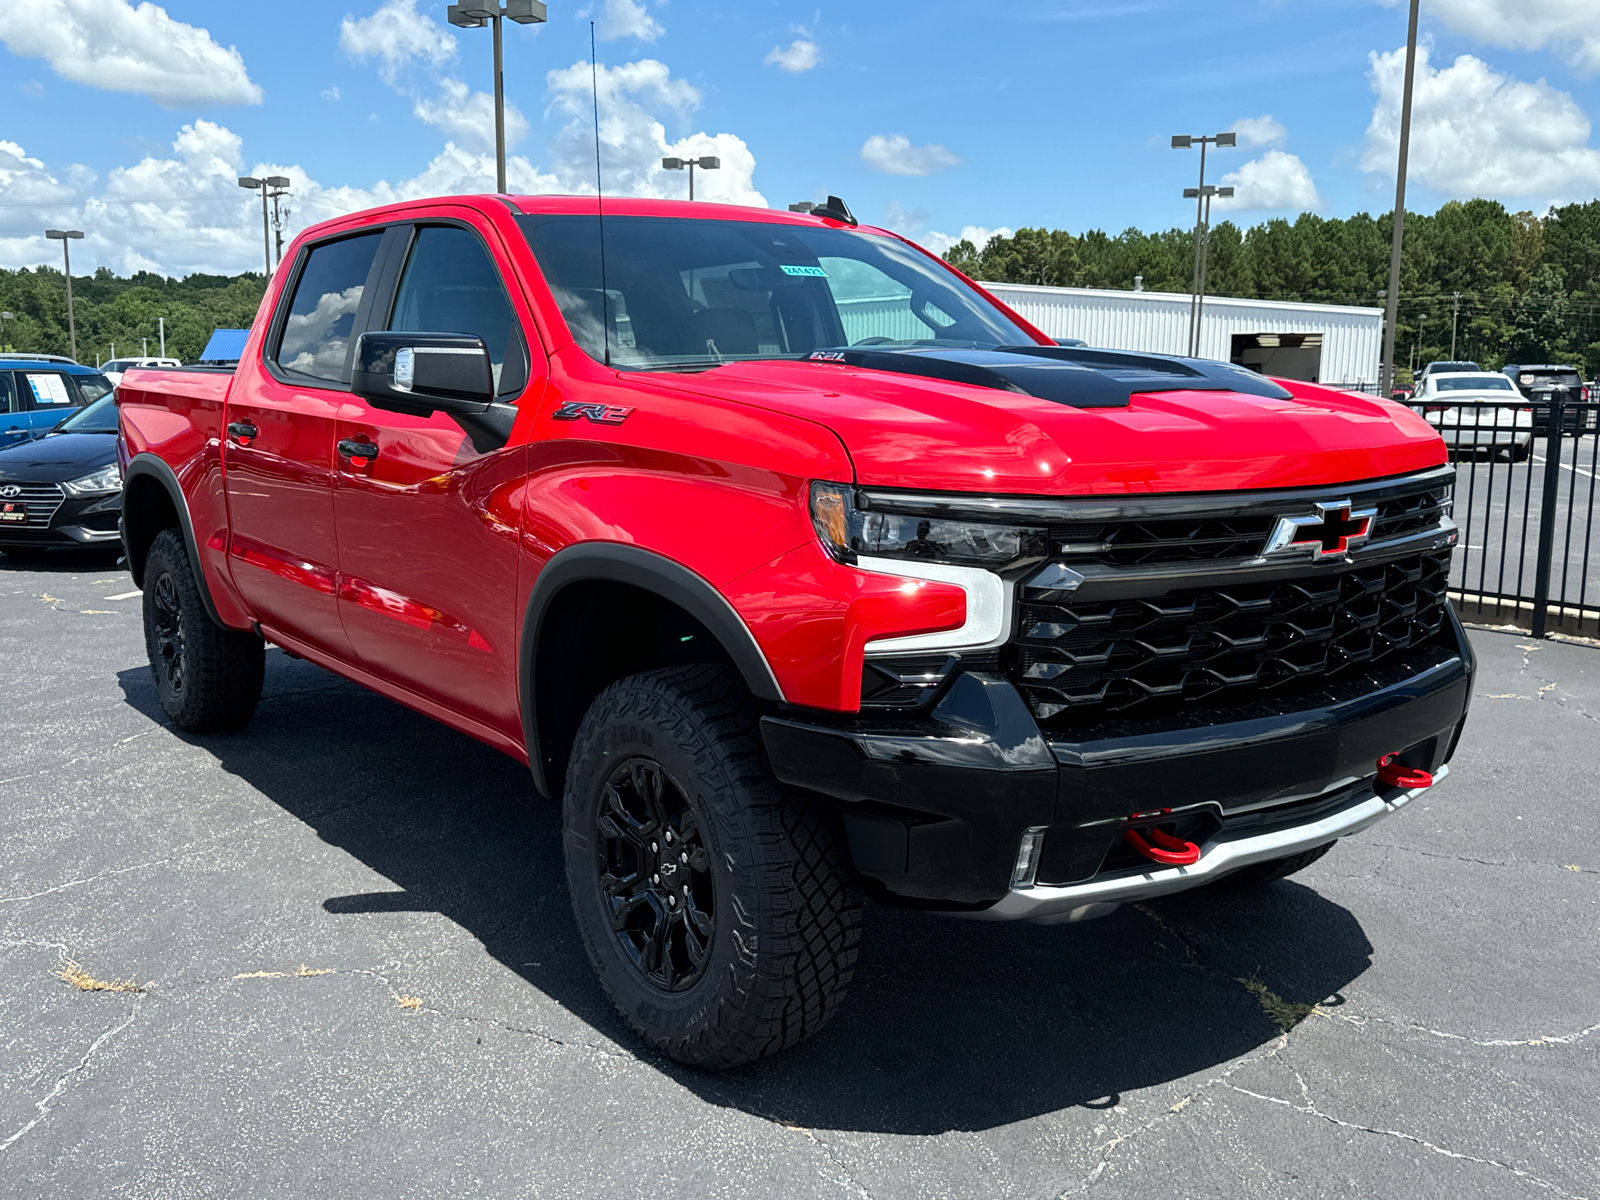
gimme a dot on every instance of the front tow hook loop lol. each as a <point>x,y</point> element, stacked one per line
<point>1168,850</point>
<point>1392,774</point>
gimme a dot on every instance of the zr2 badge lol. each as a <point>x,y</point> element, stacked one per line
<point>600,414</point>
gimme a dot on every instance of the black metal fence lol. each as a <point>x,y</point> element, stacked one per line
<point>1527,482</point>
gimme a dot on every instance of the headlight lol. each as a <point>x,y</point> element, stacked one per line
<point>99,483</point>
<point>847,531</point>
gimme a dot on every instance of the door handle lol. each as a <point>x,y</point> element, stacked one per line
<point>242,432</point>
<point>359,453</point>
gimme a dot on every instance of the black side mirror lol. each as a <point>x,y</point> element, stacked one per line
<point>424,373</point>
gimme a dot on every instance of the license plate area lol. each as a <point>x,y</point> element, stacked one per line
<point>13,512</point>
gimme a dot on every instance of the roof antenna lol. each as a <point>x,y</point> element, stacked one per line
<point>600,199</point>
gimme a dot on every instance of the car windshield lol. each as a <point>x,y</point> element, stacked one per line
<point>686,293</point>
<point>99,417</point>
<point>1474,383</point>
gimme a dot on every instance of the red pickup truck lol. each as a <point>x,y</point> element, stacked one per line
<point>801,570</point>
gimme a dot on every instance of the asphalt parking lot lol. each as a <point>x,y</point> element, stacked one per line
<point>358,975</point>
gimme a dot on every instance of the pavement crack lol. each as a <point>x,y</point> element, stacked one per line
<point>1562,1039</point>
<point>1482,862</point>
<point>182,852</point>
<point>42,1105</point>
<point>845,1177</point>
<point>1310,1109</point>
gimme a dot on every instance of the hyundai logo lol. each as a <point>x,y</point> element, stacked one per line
<point>10,490</point>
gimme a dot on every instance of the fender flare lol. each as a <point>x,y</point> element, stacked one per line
<point>149,464</point>
<point>618,562</point>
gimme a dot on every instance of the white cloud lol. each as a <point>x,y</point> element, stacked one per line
<point>1277,180</point>
<point>332,94</point>
<point>110,44</point>
<point>623,19</point>
<point>634,140</point>
<point>395,35</point>
<point>802,55</point>
<point>1569,27</point>
<point>1475,132</point>
<point>1265,130</point>
<point>895,155</point>
<point>468,116</point>
<point>979,236</point>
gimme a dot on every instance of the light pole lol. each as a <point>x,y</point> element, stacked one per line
<point>475,14</point>
<point>161,324</point>
<point>708,163</point>
<point>1184,142</point>
<point>1393,314</point>
<point>251,183</point>
<point>1205,194</point>
<point>64,236</point>
<point>4,317</point>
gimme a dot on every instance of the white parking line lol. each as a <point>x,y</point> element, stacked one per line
<point>124,596</point>
<point>1565,467</point>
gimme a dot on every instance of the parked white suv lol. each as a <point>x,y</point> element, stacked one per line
<point>113,370</point>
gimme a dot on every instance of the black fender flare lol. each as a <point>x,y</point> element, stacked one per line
<point>618,562</point>
<point>149,464</point>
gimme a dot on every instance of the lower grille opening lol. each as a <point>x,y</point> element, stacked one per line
<point>1212,647</point>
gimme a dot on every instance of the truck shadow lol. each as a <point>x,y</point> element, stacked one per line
<point>950,1025</point>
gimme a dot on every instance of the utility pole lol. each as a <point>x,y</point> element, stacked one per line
<point>162,324</point>
<point>1399,206</point>
<point>1201,217</point>
<point>1455,313</point>
<point>144,347</point>
<point>251,183</point>
<point>66,236</point>
<point>280,222</point>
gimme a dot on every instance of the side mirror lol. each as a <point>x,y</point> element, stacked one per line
<point>423,373</point>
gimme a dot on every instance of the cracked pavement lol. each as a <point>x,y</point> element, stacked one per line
<point>284,895</point>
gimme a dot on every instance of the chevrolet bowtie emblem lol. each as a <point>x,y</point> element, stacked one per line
<point>1332,531</point>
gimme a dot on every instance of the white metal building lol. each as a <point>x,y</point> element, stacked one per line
<point>1323,343</point>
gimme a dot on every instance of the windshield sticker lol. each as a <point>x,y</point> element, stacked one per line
<point>810,272</point>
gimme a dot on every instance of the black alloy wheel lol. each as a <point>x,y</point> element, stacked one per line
<point>167,633</point>
<point>655,874</point>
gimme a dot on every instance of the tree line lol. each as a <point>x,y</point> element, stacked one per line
<point>109,309</point>
<point>1515,287</point>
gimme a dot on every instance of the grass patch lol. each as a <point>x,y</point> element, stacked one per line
<point>85,982</point>
<point>1283,1013</point>
<point>410,1003</point>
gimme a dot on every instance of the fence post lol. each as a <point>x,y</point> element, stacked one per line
<point>1547,514</point>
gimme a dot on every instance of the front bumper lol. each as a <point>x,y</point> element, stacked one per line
<point>935,808</point>
<point>81,521</point>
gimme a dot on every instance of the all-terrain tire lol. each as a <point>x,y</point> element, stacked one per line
<point>207,678</point>
<point>1274,868</point>
<point>763,888</point>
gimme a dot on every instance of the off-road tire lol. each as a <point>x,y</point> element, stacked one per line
<point>1274,868</point>
<point>207,678</point>
<point>786,917</point>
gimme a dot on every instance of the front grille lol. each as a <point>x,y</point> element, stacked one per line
<point>1215,537</point>
<point>1082,659</point>
<point>42,500</point>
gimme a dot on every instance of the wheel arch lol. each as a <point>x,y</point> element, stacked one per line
<point>153,500</point>
<point>574,610</point>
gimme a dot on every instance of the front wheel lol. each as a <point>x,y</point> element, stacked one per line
<point>207,678</point>
<point>718,913</point>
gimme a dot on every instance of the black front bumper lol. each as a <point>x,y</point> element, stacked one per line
<point>935,808</point>
<point>83,522</point>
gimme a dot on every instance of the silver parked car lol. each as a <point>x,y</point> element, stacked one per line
<point>1477,413</point>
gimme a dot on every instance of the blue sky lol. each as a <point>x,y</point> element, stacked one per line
<point>933,117</point>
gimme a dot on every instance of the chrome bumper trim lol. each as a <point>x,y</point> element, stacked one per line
<point>1047,905</point>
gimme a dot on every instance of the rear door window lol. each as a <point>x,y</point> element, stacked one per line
<point>8,394</point>
<point>317,330</point>
<point>44,391</point>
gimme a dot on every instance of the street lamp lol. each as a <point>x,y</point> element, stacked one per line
<point>1185,142</point>
<point>708,163</point>
<point>475,14</point>
<point>264,186</point>
<point>64,236</point>
<point>1205,194</point>
<point>4,317</point>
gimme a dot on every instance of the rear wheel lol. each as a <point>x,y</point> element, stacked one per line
<point>1274,868</point>
<point>718,913</point>
<point>207,678</point>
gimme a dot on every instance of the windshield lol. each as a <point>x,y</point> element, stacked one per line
<point>99,417</point>
<point>1474,383</point>
<point>681,292</point>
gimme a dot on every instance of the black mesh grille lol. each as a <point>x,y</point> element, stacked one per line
<point>1088,659</point>
<point>1411,514</point>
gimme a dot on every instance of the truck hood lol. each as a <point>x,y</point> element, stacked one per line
<point>903,431</point>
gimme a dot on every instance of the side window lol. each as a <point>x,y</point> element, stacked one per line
<point>91,387</point>
<point>450,285</point>
<point>8,394</point>
<point>46,390</point>
<point>322,312</point>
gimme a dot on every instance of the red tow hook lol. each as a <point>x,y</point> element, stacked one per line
<point>1392,774</point>
<point>1171,851</point>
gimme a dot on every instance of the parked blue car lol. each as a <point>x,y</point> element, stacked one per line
<point>37,392</point>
